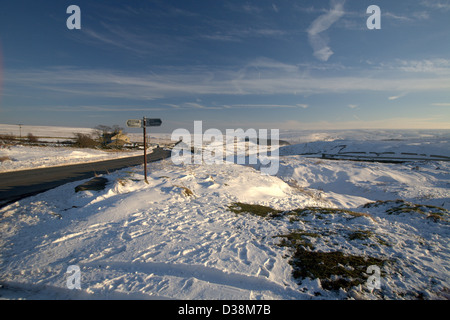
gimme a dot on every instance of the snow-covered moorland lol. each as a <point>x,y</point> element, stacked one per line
<point>319,229</point>
<point>21,157</point>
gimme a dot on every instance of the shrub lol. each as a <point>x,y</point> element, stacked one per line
<point>84,141</point>
<point>7,138</point>
<point>32,138</point>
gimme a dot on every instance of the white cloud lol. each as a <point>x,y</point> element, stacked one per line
<point>263,77</point>
<point>435,66</point>
<point>194,105</point>
<point>396,16</point>
<point>98,108</point>
<point>318,42</point>
<point>272,66</point>
<point>357,123</point>
<point>248,8</point>
<point>116,36</point>
<point>443,5</point>
<point>353,106</point>
<point>411,17</point>
<point>397,96</point>
<point>222,37</point>
<point>441,104</point>
<point>259,106</point>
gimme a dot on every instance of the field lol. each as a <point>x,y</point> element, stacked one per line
<point>318,229</point>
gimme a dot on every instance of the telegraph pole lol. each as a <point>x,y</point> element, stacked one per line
<point>145,149</point>
<point>20,130</point>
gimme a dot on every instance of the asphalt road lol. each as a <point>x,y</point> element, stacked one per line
<point>20,184</point>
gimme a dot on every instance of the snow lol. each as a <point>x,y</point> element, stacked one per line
<point>31,157</point>
<point>22,157</point>
<point>176,237</point>
<point>416,149</point>
<point>42,131</point>
<point>427,182</point>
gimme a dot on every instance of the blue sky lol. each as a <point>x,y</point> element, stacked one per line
<point>250,64</point>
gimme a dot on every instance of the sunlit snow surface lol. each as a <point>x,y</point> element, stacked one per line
<point>176,238</point>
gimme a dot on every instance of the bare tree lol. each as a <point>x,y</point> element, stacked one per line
<point>116,129</point>
<point>103,133</point>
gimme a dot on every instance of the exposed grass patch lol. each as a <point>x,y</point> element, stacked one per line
<point>255,209</point>
<point>334,269</point>
<point>364,235</point>
<point>382,242</point>
<point>321,212</point>
<point>185,191</point>
<point>398,207</point>
<point>122,181</point>
<point>315,194</point>
<point>298,238</point>
<point>268,212</point>
<point>360,235</point>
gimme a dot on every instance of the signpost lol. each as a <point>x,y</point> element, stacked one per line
<point>134,123</point>
<point>152,122</point>
<point>144,123</point>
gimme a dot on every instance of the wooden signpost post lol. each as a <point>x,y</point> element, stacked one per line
<point>144,123</point>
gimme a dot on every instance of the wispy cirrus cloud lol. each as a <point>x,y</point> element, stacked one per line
<point>434,66</point>
<point>192,106</point>
<point>441,104</point>
<point>267,106</point>
<point>99,108</point>
<point>411,18</point>
<point>137,42</point>
<point>437,4</point>
<point>197,106</point>
<point>401,95</point>
<point>319,42</point>
<point>111,39</point>
<point>260,77</point>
